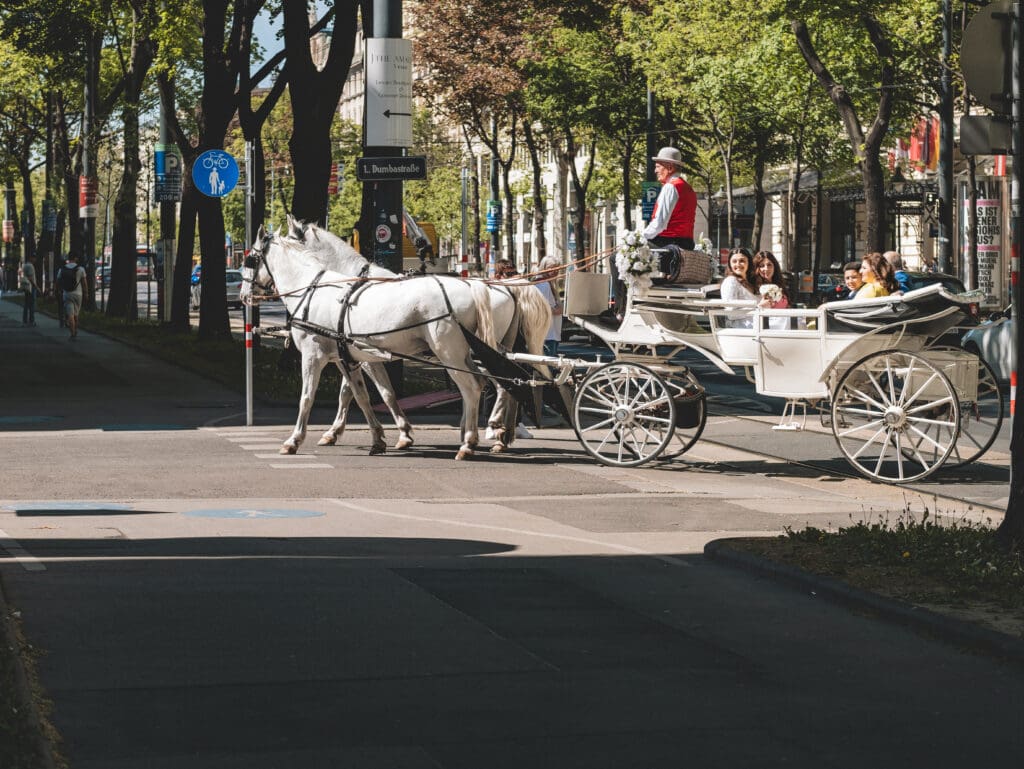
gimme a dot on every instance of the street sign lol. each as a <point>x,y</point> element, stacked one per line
<point>388,92</point>
<point>985,135</point>
<point>493,216</point>
<point>985,57</point>
<point>215,173</point>
<point>648,197</point>
<point>391,169</point>
<point>167,166</point>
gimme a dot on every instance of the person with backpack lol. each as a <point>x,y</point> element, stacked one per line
<point>30,288</point>
<point>71,280</point>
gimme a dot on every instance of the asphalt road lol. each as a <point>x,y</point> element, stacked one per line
<point>201,601</point>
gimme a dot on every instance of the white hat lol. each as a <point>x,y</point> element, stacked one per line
<point>669,155</point>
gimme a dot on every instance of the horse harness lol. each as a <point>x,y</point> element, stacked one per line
<point>345,339</point>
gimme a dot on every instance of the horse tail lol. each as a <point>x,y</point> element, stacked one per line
<point>534,316</point>
<point>484,317</point>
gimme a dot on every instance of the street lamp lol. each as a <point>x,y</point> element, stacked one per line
<point>718,197</point>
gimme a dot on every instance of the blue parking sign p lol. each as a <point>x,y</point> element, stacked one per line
<point>649,198</point>
<point>215,173</point>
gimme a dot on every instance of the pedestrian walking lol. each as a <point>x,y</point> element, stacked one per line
<point>30,288</point>
<point>71,282</point>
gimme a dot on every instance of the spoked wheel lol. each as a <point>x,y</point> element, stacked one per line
<point>895,416</point>
<point>980,418</point>
<point>624,414</point>
<point>691,412</point>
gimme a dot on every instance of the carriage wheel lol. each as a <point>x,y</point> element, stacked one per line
<point>691,413</point>
<point>624,414</point>
<point>980,419</point>
<point>895,416</point>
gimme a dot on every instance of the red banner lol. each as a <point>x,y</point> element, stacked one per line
<point>88,197</point>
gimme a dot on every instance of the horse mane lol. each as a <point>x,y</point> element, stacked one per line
<point>320,240</point>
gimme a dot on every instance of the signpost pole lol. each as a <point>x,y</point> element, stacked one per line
<point>387,123</point>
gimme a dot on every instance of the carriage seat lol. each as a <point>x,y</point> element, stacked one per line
<point>926,309</point>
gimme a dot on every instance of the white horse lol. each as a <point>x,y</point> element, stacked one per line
<point>520,296</point>
<point>337,317</point>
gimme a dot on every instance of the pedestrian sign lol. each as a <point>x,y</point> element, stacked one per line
<point>215,173</point>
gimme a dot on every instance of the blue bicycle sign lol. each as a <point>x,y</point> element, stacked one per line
<point>215,173</point>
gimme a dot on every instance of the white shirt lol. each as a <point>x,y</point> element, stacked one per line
<point>555,329</point>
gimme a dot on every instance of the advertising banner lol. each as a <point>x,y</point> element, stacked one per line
<point>88,197</point>
<point>990,240</point>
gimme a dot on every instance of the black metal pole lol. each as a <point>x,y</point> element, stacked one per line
<point>387,195</point>
<point>945,169</point>
<point>652,148</point>
<point>87,212</point>
<point>1012,527</point>
<point>495,202</point>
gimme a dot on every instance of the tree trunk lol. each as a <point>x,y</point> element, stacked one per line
<point>314,96</point>
<point>182,290</point>
<point>865,146</point>
<point>213,305</point>
<point>538,235</point>
<point>121,301</point>
<point>759,201</point>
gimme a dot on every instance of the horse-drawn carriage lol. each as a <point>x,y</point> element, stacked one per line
<point>899,402</point>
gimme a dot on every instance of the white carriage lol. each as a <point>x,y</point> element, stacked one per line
<point>899,404</point>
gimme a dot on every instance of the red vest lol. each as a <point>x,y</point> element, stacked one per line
<point>680,223</point>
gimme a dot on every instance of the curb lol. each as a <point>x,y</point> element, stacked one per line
<point>918,618</point>
<point>23,692</point>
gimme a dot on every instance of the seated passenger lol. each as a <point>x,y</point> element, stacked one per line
<point>878,277</point>
<point>898,273</point>
<point>851,280</point>
<point>739,285</point>
<point>767,272</point>
<point>771,286</point>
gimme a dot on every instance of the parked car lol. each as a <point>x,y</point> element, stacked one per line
<point>995,342</point>
<point>233,280</point>
<point>233,284</point>
<point>102,277</point>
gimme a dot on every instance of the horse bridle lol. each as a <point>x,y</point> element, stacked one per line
<point>253,261</point>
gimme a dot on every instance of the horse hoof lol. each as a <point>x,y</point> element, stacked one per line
<point>498,448</point>
<point>403,443</point>
<point>464,454</point>
<point>327,440</point>
<point>286,449</point>
<point>377,450</point>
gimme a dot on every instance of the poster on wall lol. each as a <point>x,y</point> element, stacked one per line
<point>990,240</point>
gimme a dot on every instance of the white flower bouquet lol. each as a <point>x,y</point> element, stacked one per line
<point>771,292</point>
<point>635,262</point>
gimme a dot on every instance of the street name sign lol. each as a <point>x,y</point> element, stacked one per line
<point>391,169</point>
<point>388,92</point>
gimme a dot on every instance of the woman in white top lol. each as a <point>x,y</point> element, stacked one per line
<point>548,285</point>
<point>738,286</point>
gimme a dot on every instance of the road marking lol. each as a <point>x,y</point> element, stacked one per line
<point>259,446</point>
<point>14,549</point>
<point>509,530</point>
<point>309,466</point>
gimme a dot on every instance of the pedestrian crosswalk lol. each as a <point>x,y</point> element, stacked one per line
<point>261,441</point>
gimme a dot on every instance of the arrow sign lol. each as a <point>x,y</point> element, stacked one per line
<point>389,113</point>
